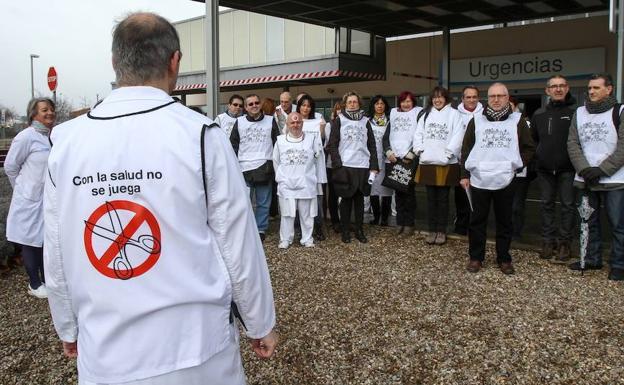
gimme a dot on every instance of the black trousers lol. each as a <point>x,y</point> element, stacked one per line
<point>405,207</point>
<point>462,210</point>
<point>438,208</point>
<point>521,189</point>
<point>357,202</point>
<point>381,210</point>
<point>477,233</point>
<point>332,199</point>
<point>33,262</point>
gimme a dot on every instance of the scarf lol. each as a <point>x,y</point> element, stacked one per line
<point>40,128</point>
<point>232,115</point>
<point>379,120</point>
<point>496,116</point>
<point>600,106</point>
<point>354,115</point>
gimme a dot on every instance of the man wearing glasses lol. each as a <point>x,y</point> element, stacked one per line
<point>253,137</point>
<point>549,128</point>
<point>227,119</point>
<point>497,143</point>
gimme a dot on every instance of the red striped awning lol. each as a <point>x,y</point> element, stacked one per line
<point>282,78</point>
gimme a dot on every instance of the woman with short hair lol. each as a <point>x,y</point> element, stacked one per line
<point>437,142</point>
<point>354,158</point>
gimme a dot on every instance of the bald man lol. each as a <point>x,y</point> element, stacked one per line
<point>497,143</point>
<point>282,111</point>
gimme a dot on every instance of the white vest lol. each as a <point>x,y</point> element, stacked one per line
<point>312,127</point>
<point>226,122</point>
<point>402,129</point>
<point>378,132</point>
<point>170,308</point>
<point>598,138</point>
<point>496,153</point>
<point>299,167</point>
<point>436,136</point>
<point>353,147</point>
<point>256,145</point>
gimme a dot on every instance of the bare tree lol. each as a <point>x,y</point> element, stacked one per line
<point>63,109</point>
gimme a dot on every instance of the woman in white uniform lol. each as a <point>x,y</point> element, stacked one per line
<point>314,124</point>
<point>26,165</point>
<point>299,164</point>
<point>381,196</point>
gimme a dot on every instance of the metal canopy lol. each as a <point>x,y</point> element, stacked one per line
<point>404,17</point>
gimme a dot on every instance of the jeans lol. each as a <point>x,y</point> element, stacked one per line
<point>551,184</point>
<point>262,194</point>
<point>33,262</point>
<point>437,208</point>
<point>614,204</point>
<point>481,201</point>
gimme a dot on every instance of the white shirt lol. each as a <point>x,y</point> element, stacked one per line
<point>26,165</point>
<point>191,250</point>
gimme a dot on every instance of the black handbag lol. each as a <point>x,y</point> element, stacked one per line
<point>262,175</point>
<point>400,176</point>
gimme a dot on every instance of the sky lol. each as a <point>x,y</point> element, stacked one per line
<point>74,36</point>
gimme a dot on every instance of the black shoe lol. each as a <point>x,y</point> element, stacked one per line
<point>384,223</point>
<point>616,274</point>
<point>262,237</point>
<point>318,234</point>
<point>588,266</point>
<point>336,227</point>
<point>359,235</point>
<point>346,237</point>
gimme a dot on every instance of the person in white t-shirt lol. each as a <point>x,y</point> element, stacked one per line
<point>227,119</point>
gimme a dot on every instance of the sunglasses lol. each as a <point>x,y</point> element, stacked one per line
<point>253,104</point>
<point>237,104</point>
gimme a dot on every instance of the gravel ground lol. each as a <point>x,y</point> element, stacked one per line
<point>393,311</point>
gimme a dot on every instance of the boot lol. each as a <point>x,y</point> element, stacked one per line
<point>563,256</point>
<point>548,249</point>
<point>359,235</point>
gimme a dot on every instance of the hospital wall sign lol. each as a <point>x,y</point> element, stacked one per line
<point>530,66</point>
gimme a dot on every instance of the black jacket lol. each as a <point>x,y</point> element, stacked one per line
<point>549,128</point>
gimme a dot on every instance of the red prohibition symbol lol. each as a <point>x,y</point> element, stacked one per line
<point>106,223</point>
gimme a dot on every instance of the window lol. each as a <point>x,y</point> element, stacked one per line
<point>360,42</point>
<point>343,39</point>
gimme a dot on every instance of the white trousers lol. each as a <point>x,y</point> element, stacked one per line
<point>224,368</point>
<point>306,220</point>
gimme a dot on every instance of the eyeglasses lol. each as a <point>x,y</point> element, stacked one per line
<point>253,104</point>
<point>555,86</point>
<point>237,105</point>
<point>497,96</point>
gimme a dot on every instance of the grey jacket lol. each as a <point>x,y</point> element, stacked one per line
<point>609,166</point>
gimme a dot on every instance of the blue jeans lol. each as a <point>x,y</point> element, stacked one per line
<point>262,194</point>
<point>614,204</point>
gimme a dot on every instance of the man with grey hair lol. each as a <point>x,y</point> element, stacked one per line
<point>150,253</point>
<point>497,143</point>
<point>282,111</point>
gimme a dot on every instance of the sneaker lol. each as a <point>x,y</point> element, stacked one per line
<point>40,292</point>
<point>474,266</point>
<point>616,274</point>
<point>548,249</point>
<point>431,238</point>
<point>440,239</point>
<point>283,245</point>
<point>507,268</point>
<point>308,244</point>
<point>588,266</point>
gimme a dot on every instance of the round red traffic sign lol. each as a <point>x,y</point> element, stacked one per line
<point>52,81</point>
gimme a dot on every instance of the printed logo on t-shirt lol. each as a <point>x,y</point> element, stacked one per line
<point>353,133</point>
<point>401,123</point>
<point>494,137</point>
<point>593,132</point>
<point>436,131</point>
<point>296,157</point>
<point>254,134</point>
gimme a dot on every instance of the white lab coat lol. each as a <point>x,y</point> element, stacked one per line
<point>175,313</point>
<point>26,165</point>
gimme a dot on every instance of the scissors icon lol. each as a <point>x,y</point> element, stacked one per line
<point>121,264</point>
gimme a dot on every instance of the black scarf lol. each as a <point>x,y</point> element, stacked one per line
<point>495,116</point>
<point>354,115</point>
<point>601,106</point>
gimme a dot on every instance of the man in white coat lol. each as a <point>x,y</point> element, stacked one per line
<point>147,260</point>
<point>299,163</point>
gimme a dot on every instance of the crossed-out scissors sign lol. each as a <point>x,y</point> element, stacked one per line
<point>107,224</point>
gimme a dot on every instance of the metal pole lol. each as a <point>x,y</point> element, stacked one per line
<point>446,58</point>
<point>620,51</point>
<point>212,57</point>
<point>32,81</point>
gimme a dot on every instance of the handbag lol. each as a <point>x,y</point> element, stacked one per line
<point>399,176</point>
<point>261,175</point>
